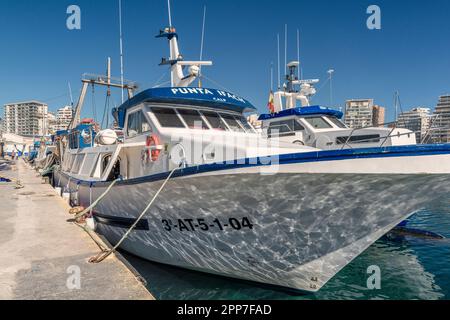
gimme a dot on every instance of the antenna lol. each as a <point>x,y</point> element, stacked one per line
<point>121,50</point>
<point>279,71</point>
<point>330,72</point>
<point>170,13</point>
<point>271,76</point>
<point>298,53</point>
<point>201,46</point>
<point>203,33</point>
<point>70,93</point>
<point>396,105</point>
<point>285,47</point>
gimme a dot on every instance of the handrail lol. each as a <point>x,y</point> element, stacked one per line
<point>434,119</point>
<point>392,131</point>
<point>396,135</point>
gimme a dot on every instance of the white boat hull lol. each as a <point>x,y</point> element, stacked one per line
<point>306,227</point>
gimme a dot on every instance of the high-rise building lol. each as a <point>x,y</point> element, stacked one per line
<point>442,114</point>
<point>27,118</point>
<point>61,120</point>
<point>52,123</point>
<point>64,117</point>
<point>378,116</point>
<point>417,120</point>
<point>360,113</point>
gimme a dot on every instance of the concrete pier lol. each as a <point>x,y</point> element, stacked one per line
<point>42,256</point>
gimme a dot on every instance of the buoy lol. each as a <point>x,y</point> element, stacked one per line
<point>106,137</point>
<point>153,142</point>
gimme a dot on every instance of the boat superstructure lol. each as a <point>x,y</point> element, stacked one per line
<point>237,204</point>
<point>319,126</point>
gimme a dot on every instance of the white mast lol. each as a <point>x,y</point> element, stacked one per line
<point>331,72</point>
<point>279,70</point>
<point>201,45</point>
<point>285,48</point>
<point>271,76</point>
<point>70,93</point>
<point>298,54</point>
<point>203,33</point>
<point>170,13</point>
<point>121,50</point>
<point>176,61</point>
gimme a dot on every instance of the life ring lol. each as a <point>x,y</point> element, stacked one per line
<point>153,149</point>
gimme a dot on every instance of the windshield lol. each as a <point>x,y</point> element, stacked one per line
<point>318,123</point>
<point>247,126</point>
<point>215,121</point>
<point>232,122</point>
<point>337,122</point>
<point>193,119</point>
<point>167,117</point>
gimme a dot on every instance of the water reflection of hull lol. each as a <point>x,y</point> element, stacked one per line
<point>306,228</point>
<point>403,277</point>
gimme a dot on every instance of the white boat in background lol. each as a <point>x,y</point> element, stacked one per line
<point>319,126</point>
<point>239,205</point>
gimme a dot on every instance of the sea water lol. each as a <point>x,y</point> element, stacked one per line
<point>411,267</point>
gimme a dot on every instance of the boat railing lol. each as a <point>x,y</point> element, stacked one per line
<point>394,125</point>
<point>435,125</point>
<point>428,134</point>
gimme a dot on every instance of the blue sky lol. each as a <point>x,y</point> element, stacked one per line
<point>411,53</point>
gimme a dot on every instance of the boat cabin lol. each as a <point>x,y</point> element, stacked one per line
<point>162,128</point>
<point>322,128</point>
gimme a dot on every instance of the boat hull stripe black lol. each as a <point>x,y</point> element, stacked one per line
<point>119,222</point>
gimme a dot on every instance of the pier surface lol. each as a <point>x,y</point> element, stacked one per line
<point>41,254</point>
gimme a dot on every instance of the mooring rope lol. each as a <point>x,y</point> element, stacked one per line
<point>96,202</point>
<point>105,254</point>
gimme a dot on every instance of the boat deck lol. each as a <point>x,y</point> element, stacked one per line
<point>41,253</point>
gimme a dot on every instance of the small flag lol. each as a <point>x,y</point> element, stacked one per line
<point>271,105</point>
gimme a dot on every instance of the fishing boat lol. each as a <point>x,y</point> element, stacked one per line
<point>218,197</point>
<point>292,119</point>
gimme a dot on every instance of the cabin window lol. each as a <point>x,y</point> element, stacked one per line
<point>168,118</point>
<point>246,125</point>
<point>284,128</point>
<point>215,121</point>
<point>137,124</point>
<point>193,119</point>
<point>232,122</point>
<point>115,172</point>
<point>77,163</point>
<point>318,123</point>
<point>374,138</point>
<point>74,140</point>
<point>86,169</point>
<point>337,122</point>
<point>68,162</point>
<point>105,162</point>
<point>94,169</point>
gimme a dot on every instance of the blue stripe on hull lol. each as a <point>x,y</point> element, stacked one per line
<point>308,157</point>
